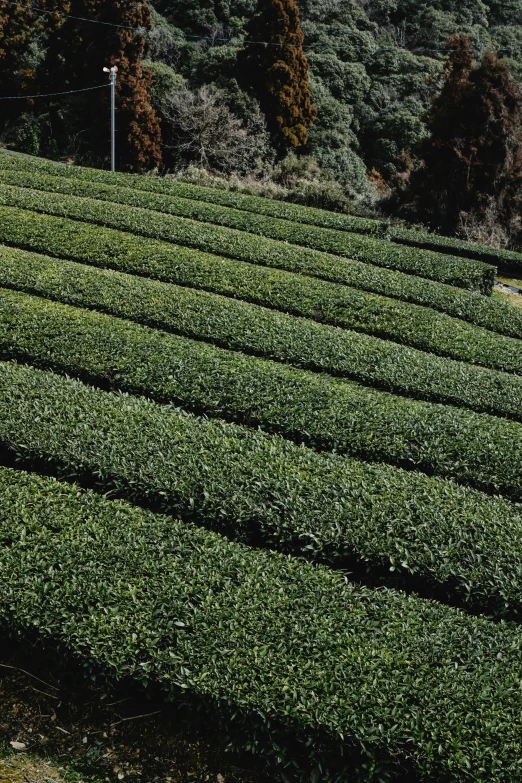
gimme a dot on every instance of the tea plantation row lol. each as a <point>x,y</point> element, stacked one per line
<point>232,240</point>
<point>259,488</point>
<point>324,302</point>
<point>255,330</point>
<point>278,209</point>
<point>384,679</point>
<point>320,411</point>
<point>68,238</point>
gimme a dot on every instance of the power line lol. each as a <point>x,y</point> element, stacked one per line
<point>313,47</point>
<point>67,16</point>
<point>50,94</point>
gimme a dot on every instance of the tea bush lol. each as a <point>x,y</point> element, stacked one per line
<point>383,229</point>
<point>259,488</point>
<point>256,330</point>
<point>292,660</point>
<point>224,231</point>
<point>329,303</point>
<point>317,410</point>
<point>189,266</point>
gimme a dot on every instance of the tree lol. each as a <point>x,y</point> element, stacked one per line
<point>77,53</point>
<point>203,130</point>
<point>16,73</point>
<point>473,153</point>
<point>275,68</point>
<point>22,32</point>
<point>16,30</point>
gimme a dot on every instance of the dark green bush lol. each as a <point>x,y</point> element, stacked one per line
<point>329,303</point>
<point>317,410</point>
<point>256,330</point>
<point>383,229</point>
<point>380,679</point>
<point>504,260</point>
<point>260,488</point>
<point>229,229</point>
<point>188,266</point>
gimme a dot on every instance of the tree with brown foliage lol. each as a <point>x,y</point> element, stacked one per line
<point>78,52</point>
<point>274,66</point>
<point>472,157</point>
<point>16,28</point>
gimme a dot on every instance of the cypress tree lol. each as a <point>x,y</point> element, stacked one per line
<point>275,68</point>
<point>78,52</point>
<point>20,27</point>
<point>16,27</point>
<point>473,154</point>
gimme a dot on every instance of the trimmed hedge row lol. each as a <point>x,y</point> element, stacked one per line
<point>222,220</point>
<point>226,198</point>
<point>187,266</point>
<point>382,229</point>
<point>256,330</point>
<point>337,305</point>
<point>259,488</point>
<point>508,260</point>
<point>319,411</point>
<point>293,661</point>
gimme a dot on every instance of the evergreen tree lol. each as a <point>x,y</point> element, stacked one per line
<point>21,28</point>
<point>278,71</point>
<point>77,54</point>
<point>473,154</point>
<point>16,28</point>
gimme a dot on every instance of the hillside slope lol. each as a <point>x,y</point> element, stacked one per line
<point>212,416</point>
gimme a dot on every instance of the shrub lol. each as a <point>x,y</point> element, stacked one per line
<point>349,308</point>
<point>258,488</point>
<point>63,237</point>
<point>327,195</point>
<point>325,679</point>
<point>256,330</point>
<point>323,413</point>
<point>448,269</point>
<point>504,259</point>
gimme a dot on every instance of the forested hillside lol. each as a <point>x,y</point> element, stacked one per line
<point>375,66</point>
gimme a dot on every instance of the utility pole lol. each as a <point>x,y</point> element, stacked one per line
<point>113,71</point>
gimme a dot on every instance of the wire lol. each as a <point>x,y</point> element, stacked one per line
<point>67,16</point>
<point>313,47</point>
<point>50,94</point>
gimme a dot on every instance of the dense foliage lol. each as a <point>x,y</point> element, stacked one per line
<point>472,157</point>
<point>70,55</point>
<point>246,327</point>
<point>274,67</point>
<point>121,298</point>
<point>66,196</point>
<point>374,67</point>
<point>383,229</point>
<point>326,414</point>
<point>322,301</point>
<point>372,682</point>
<point>456,542</point>
<point>189,266</point>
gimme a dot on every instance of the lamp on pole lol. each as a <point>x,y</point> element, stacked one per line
<point>113,71</point>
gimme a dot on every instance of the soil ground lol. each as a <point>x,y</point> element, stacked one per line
<point>54,731</point>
